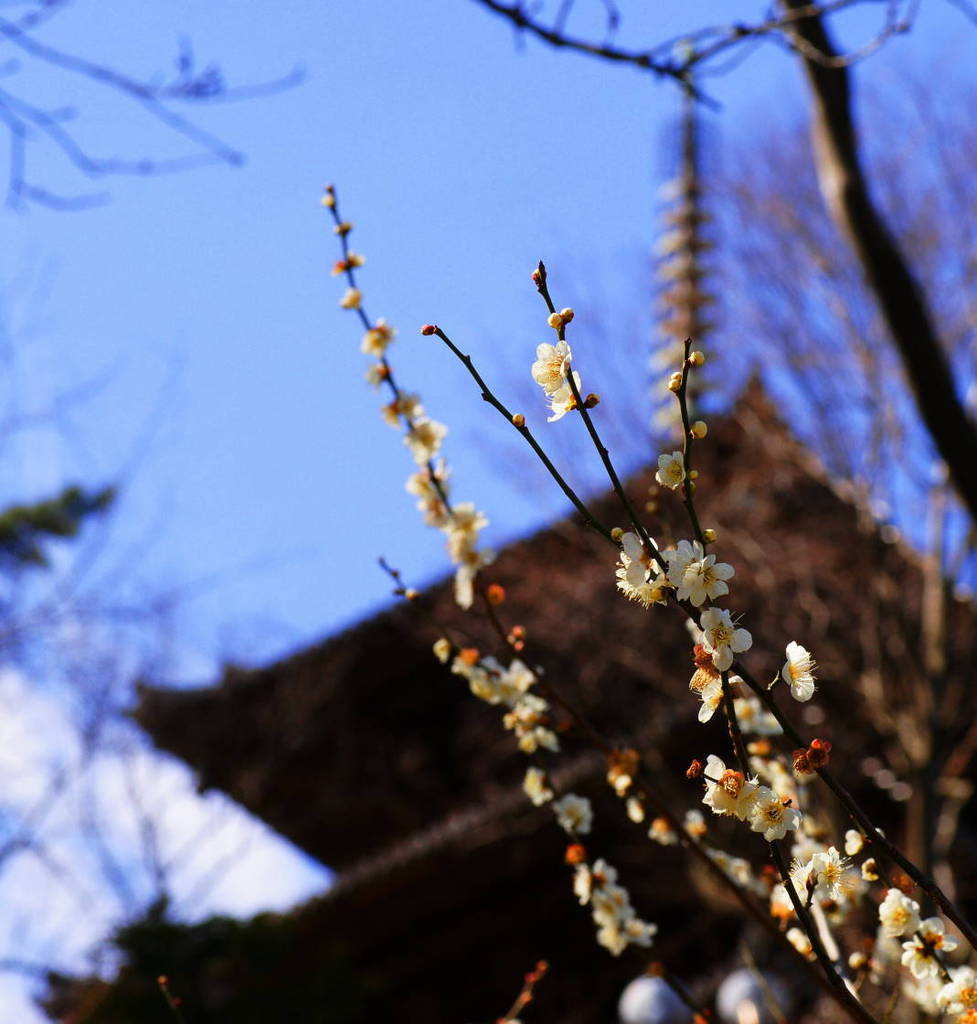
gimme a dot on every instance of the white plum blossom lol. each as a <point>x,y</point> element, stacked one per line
<point>527,715</point>
<point>695,824</point>
<point>854,841</point>
<point>663,833</point>
<point>490,682</point>
<point>771,816</point>
<point>582,883</point>
<point>424,437</point>
<point>798,671</point>
<point>536,788</point>
<point>377,339</point>
<point>351,299</point>
<point>801,874</point>
<point>830,869</point>
<point>671,470</point>
<point>406,407</point>
<point>527,720</point>
<point>797,937</point>
<point>727,790</point>
<point>637,577</point>
<point>574,814</point>
<point>696,575</point>
<point>777,776</point>
<point>722,638</point>
<point>712,697</point>
<point>563,400</point>
<point>736,868</point>
<point>462,529</point>
<point>780,902</point>
<point>925,993</point>
<point>638,932</point>
<point>424,486</point>
<point>960,994</point>
<point>918,952</point>
<point>753,717</point>
<point>617,924</point>
<point>465,574</point>
<point>551,366</point>
<point>898,914</point>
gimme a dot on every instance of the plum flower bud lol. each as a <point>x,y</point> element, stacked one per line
<point>818,753</point>
<point>675,382</point>
<point>709,536</point>
<point>566,315</point>
<point>636,810</point>
<point>518,420</point>
<point>854,841</point>
<point>555,321</point>
<point>622,766</point>
<point>591,400</point>
<point>699,429</point>
<point>617,533</point>
<point>428,329</point>
<point>697,358</point>
<point>343,229</point>
<point>802,766</point>
<point>576,853</point>
<point>351,299</point>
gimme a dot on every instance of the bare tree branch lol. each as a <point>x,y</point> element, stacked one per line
<point>26,121</point>
<point>902,303</point>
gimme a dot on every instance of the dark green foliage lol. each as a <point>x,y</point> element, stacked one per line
<point>25,528</point>
<point>222,970</point>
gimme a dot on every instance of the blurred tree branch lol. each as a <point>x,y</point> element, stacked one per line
<point>801,27</point>
<point>27,122</point>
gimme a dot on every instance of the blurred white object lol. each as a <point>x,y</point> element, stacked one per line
<point>650,1001</point>
<point>741,998</point>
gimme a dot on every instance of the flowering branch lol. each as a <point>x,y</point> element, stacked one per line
<point>688,578</point>
<point>526,994</point>
<point>841,988</point>
<point>559,321</point>
<point>874,835</point>
<point>519,422</point>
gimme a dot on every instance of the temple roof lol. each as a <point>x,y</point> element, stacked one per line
<point>363,740</point>
<point>376,760</point>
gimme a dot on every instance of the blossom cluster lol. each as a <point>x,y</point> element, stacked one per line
<point>423,436</point>
<point>898,917</point>
<point>528,714</point>
<point>730,792</point>
<point>460,524</point>
<point>824,884</point>
<point>551,371</point>
<point>617,924</point>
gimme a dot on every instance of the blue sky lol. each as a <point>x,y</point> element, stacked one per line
<point>230,403</point>
<point>231,396</point>
<point>224,385</point>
